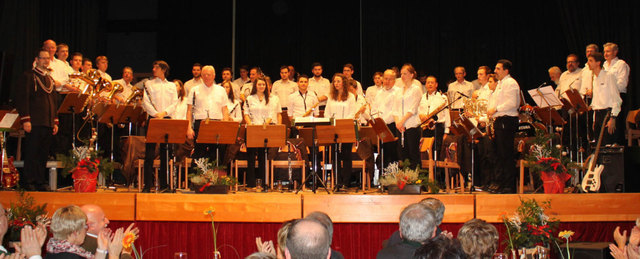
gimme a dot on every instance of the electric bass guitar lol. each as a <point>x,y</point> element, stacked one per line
<point>591,181</point>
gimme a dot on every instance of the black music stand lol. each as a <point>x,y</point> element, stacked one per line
<point>218,132</point>
<point>384,136</point>
<point>165,131</point>
<point>342,131</point>
<point>581,107</point>
<point>310,136</point>
<point>132,114</point>
<point>266,136</point>
<point>73,103</point>
<point>111,115</point>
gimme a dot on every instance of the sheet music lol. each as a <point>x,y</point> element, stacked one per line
<point>548,97</point>
<point>8,120</point>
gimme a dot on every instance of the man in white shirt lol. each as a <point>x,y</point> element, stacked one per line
<point>605,98</point>
<point>373,90</point>
<point>159,101</point>
<point>127,87</point>
<point>244,77</point>
<point>438,125</point>
<point>585,85</point>
<point>319,85</point>
<point>284,87</point>
<point>62,53</point>
<point>87,65</point>
<point>102,63</point>
<point>246,89</point>
<point>59,71</point>
<point>459,88</point>
<point>503,107</point>
<point>227,75</point>
<point>206,101</point>
<point>620,70</point>
<point>196,80</point>
<point>554,76</point>
<point>483,80</point>
<point>302,101</point>
<point>348,70</point>
<point>382,107</point>
<point>570,79</point>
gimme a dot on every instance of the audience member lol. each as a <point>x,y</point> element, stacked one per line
<point>417,225</point>
<point>479,239</point>
<point>441,247</point>
<point>260,255</point>
<point>623,250</point>
<point>97,222</point>
<point>438,208</point>
<point>325,220</point>
<point>308,239</point>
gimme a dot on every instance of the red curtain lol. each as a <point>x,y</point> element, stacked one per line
<point>353,240</point>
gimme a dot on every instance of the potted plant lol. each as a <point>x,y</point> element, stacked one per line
<point>210,178</point>
<point>25,212</point>
<point>85,164</point>
<point>401,180</point>
<point>529,229</point>
<point>548,162</point>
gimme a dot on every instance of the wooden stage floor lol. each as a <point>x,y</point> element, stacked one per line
<point>343,208</point>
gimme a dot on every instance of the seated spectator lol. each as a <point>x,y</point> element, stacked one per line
<point>437,206</point>
<point>260,255</point>
<point>325,220</point>
<point>417,225</point>
<point>31,240</point>
<point>96,223</point>
<point>68,226</point>
<point>441,247</point>
<point>623,250</point>
<point>309,239</point>
<point>479,239</point>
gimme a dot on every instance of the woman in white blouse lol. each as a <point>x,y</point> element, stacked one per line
<point>407,101</point>
<point>181,108</point>
<point>260,108</point>
<point>234,105</point>
<point>341,105</point>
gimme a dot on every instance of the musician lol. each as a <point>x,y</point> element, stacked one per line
<point>127,87</point>
<point>483,80</point>
<point>260,108</point>
<point>431,101</point>
<point>602,87</point>
<point>58,68</point>
<point>459,87</point>
<point>234,105</point>
<point>227,75</point>
<point>620,70</point>
<point>503,107</point>
<point>284,87</point>
<point>570,79</point>
<point>102,63</point>
<point>196,70</point>
<point>361,114</point>
<point>36,102</point>
<point>293,75</point>
<point>341,105</point>
<point>207,101</point>
<point>319,85</point>
<point>302,101</point>
<point>240,81</point>
<point>87,65</point>
<point>62,54</point>
<point>75,84</point>
<point>247,88</point>
<point>182,150</point>
<point>382,107</point>
<point>585,81</point>
<point>347,70</point>
<point>554,76</point>
<point>159,101</point>
<point>375,88</point>
<point>406,117</point>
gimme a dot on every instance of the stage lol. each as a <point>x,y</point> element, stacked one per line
<point>177,223</point>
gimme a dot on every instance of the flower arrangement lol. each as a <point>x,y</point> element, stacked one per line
<point>210,212</point>
<point>85,164</point>
<point>25,212</point>
<point>399,175</point>
<point>549,163</point>
<point>529,226</point>
<point>128,243</point>
<point>208,174</point>
<point>566,235</point>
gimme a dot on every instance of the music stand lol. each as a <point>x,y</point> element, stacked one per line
<point>581,107</point>
<point>8,122</point>
<point>131,115</point>
<point>73,103</point>
<point>342,131</point>
<point>310,137</point>
<point>218,132</point>
<point>111,115</point>
<point>265,136</point>
<point>165,131</point>
<point>546,97</point>
<point>384,136</point>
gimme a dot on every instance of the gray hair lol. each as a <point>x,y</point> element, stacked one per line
<point>324,219</point>
<point>555,69</point>
<point>260,255</point>
<point>437,206</point>
<point>417,223</point>
<point>612,45</point>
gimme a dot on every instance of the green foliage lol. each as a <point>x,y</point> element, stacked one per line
<point>530,226</point>
<point>24,212</point>
<point>209,173</point>
<point>73,158</point>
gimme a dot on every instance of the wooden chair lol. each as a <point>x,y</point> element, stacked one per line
<point>425,148</point>
<point>285,164</point>
<point>183,166</point>
<point>156,167</point>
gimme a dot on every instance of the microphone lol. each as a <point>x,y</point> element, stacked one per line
<point>460,93</point>
<point>543,84</point>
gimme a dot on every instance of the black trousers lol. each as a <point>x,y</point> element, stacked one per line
<point>599,116</point>
<point>344,165</point>
<point>505,129</point>
<point>411,149</point>
<point>438,134</point>
<point>207,150</point>
<point>37,147</point>
<point>389,150</point>
<point>149,156</point>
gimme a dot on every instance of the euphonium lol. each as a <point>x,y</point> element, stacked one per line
<point>115,88</point>
<point>135,94</point>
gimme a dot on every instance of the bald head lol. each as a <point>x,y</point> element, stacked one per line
<point>208,75</point>
<point>50,46</point>
<point>388,79</point>
<point>308,238</point>
<point>96,220</point>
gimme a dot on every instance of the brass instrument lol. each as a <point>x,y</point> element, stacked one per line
<point>431,126</point>
<point>308,112</point>
<point>115,88</point>
<point>137,93</point>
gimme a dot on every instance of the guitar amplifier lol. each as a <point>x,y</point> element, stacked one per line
<point>613,174</point>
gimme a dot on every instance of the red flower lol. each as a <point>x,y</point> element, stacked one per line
<point>401,184</point>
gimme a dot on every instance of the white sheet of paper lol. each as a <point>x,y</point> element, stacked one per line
<point>546,97</point>
<point>8,120</point>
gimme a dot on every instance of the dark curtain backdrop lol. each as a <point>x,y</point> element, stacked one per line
<point>435,36</point>
<point>353,240</point>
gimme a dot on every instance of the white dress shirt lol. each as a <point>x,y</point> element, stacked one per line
<point>585,80</point>
<point>430,102</point>
<point>127,89</point>
<point>506,98</point>
<point>104,75</point>
<point>192,83</point>
<point>569,80</point>
<point>414,82</point>
<point>371,93</point>
<point>240,82</point>
<point>465,87</point>
<point>408,101</point>
<point>246,89</point>
<point>159,95</point>
<point>364,116</point>
<point>338,109</point>
<point>60,72</point>
<point>181,109</point>
<point>484,92</point>
<point>300,103</point>
<point>620,70</point>
<point>321,87</point>
<point>259,110</point>
<point>605,93</point>
<point>283,89</point>
<point>207,102</point>
<point>382,106</point>
<point>235,109</point>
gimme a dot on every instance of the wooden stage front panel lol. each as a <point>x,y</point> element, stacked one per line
<point>117,206</point>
